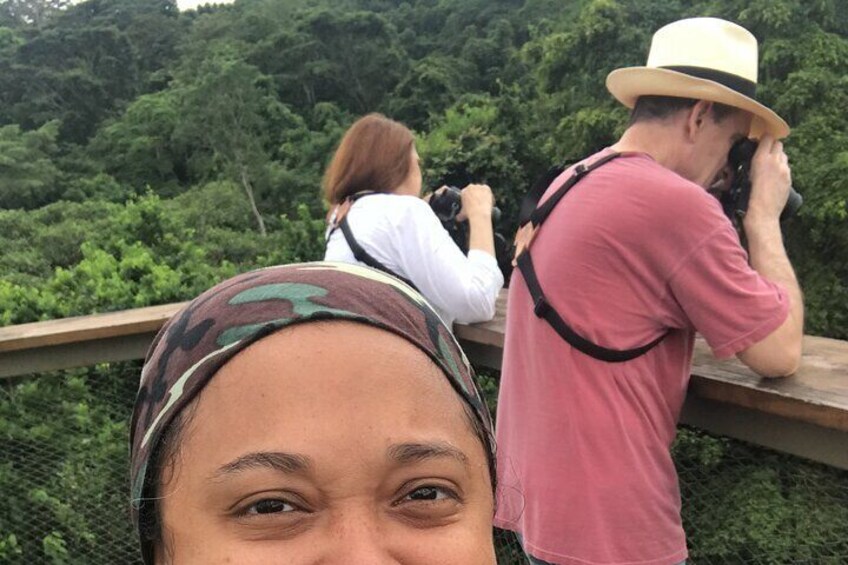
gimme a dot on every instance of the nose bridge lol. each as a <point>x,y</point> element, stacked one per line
<point>358,535</point>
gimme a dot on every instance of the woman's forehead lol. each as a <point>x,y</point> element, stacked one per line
<point>321,388</point>
<point>338,359</point>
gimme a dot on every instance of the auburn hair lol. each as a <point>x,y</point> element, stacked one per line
<point>374,154</point>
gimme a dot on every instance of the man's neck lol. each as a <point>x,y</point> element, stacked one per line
<point>659,140</point>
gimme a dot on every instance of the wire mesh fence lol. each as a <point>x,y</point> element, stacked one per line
<point>64,484</point>
<point>64,471</point>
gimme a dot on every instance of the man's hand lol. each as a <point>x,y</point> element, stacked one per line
<point>771,180</point>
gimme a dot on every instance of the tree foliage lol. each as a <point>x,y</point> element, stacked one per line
<point>27,172</point>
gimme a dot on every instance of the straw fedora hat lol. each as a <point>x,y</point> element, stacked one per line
<point>704,59</point>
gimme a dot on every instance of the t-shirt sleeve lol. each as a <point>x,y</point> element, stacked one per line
<point>727,301</point>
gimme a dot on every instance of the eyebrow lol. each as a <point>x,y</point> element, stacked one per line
<point>288,463</point>
<point>408,453</point>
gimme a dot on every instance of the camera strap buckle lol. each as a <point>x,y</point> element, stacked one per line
<point>580,171</point>
<point>541,307</point>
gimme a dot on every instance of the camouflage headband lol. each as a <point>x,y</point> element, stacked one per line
<point>226,319</point>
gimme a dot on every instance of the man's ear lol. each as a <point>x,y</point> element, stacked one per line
<point>697,117</point>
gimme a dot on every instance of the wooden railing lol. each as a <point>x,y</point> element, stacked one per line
<point>805,415</point>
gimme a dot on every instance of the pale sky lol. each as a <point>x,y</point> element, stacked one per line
<point>189,4</point>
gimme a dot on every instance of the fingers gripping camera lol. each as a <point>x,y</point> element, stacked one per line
<point>735,199</point>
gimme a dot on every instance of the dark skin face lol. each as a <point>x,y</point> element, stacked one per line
<point>328,443</point>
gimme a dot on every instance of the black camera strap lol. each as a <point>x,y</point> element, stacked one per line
<point>541,307</point>
<point>359,252</point>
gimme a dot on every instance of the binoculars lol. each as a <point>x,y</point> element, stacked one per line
<point>446,204</point>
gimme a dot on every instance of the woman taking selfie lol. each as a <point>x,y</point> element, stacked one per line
<point>311,414</point>
<point>378,218</point>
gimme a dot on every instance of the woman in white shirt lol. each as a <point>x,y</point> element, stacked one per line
<point>377,218</point>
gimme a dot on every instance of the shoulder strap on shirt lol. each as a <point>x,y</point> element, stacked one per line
<point>541,307</point>
<point>541,213</point>
<point>363,256</point>
<point>341,209</point>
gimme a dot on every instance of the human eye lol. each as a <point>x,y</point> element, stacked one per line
<point>428,504</point>
<point>267,516</point>
<point>430,493</point>
<point>269,506</point>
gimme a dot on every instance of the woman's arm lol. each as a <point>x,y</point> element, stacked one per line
<point>466,287</point>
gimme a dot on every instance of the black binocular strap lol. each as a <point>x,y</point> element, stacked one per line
<point>364,257</point>
<point>543,309</point>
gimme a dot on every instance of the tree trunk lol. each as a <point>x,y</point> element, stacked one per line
<point>310,94</point>
<point>248,189</point>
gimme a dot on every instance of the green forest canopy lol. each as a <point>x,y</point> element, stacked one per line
<point>147,153</point>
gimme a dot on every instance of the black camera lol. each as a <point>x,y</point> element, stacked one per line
<point>735,199</point>
<point>447,204</point>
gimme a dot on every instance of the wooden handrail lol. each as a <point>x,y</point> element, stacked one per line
<point>808,410</point>
<point>816,394</point>
<point>86,328</point>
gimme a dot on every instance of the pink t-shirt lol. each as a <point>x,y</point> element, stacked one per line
<point>584,470</point>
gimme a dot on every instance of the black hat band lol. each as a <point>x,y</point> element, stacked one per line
<point>741,85</point>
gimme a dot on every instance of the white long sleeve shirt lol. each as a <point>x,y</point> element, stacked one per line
<point>404,234</point>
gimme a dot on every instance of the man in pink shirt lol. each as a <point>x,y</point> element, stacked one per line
<point>638,253</point>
